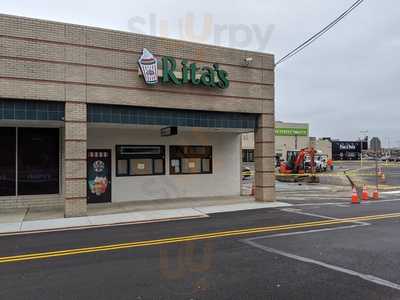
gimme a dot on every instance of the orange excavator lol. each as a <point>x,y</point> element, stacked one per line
<point>296,162</point>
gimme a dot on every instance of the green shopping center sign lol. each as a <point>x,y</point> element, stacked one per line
<point>291,131</point>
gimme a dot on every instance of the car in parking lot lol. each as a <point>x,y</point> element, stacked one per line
<point>390,158</point>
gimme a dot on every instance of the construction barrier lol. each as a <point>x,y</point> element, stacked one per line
<point>364,178</point>
<point>354,197</point>
<point>375,195</point>
<point>365,194</point>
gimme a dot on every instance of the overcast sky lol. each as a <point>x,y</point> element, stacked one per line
<point>346,82</point>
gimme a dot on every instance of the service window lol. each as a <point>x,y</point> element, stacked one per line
<point>190,159</point>
<point>133,160</point>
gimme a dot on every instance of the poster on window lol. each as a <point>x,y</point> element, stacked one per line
<point>99,176</point>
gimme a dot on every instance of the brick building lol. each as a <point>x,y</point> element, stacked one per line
<point>81,119</point>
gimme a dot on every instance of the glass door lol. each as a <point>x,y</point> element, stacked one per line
<point>38,161</point>
<point>7,161</point>
<point>99,176</point>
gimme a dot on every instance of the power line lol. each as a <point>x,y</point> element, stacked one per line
<point>319,34</point>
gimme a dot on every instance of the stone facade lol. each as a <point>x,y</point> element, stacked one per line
<point>75,142</point>
<point>42,60</point>
<point>264,161</point>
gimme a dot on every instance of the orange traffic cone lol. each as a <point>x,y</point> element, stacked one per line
<point>365,195</point>
<point>354,197</point>
<point>375,195</point>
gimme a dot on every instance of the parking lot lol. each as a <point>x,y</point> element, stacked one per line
<point>361,173</point>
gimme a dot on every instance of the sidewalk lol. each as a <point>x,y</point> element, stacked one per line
<point>18,221</point>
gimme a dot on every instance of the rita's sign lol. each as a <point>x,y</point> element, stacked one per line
<point>213,77</point>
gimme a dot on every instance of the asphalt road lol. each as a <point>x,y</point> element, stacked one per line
<point>316,253</point>
<point>367,174</point>
<point>391,171</point>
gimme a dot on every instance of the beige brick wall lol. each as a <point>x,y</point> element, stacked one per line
<point>74,188</point>
<point>75,169</point>
<point>42,60</point>
<point>75,131</point>
<point>264,162</point>
<point>183,101</point>
<point>54,61</point>
<point>75,150</point>
<point>75,111</point>
<point>75,142</point>
<point>75,207</point>
<point>31,201</point>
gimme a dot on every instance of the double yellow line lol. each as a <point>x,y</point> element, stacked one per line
<point>183,239</point>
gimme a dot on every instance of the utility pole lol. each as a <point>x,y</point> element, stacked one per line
<point>376,169</point>
<point>376,150</point>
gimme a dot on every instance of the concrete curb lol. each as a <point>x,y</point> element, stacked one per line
<point>131,218</point>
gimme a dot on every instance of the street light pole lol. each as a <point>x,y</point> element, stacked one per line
<point>365,133</point>
<point>376,170</point>
<point>361,146</point>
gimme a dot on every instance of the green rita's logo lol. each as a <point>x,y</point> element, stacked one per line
<point>213,77</point>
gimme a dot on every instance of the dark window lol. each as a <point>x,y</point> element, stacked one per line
<point>7,161</point>
<point>248,155</point>
<point>135,160</point>
<point>38,161</point>
<point>190,159</point>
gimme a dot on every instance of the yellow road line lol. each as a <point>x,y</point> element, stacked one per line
<point>206,236</point>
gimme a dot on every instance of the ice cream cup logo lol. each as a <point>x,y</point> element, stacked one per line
<point>98,166</point>
<point>148,66</point>
<point>99,185</point>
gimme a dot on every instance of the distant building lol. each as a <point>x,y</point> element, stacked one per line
<point>288,136</point>
<point>325,146</point>
<point>375,145</point>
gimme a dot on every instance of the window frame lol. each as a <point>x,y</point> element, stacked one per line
<point>119,157</point>
<point>248,156</point>
<point>201,157</point>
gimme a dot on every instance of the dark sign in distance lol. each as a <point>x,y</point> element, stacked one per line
<point>168,131</point>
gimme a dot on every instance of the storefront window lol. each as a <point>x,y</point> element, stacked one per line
<point>122,167</point>
<point>135,160</point>
<point>190,159</point>
<point>7,161</point>
<point>191,165</point>
<point>38,161</point>
<point>248,155</point>
<point>206,164</point>
<point>175,166</point>
<point>158,166</point>
<point>142,166</point>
